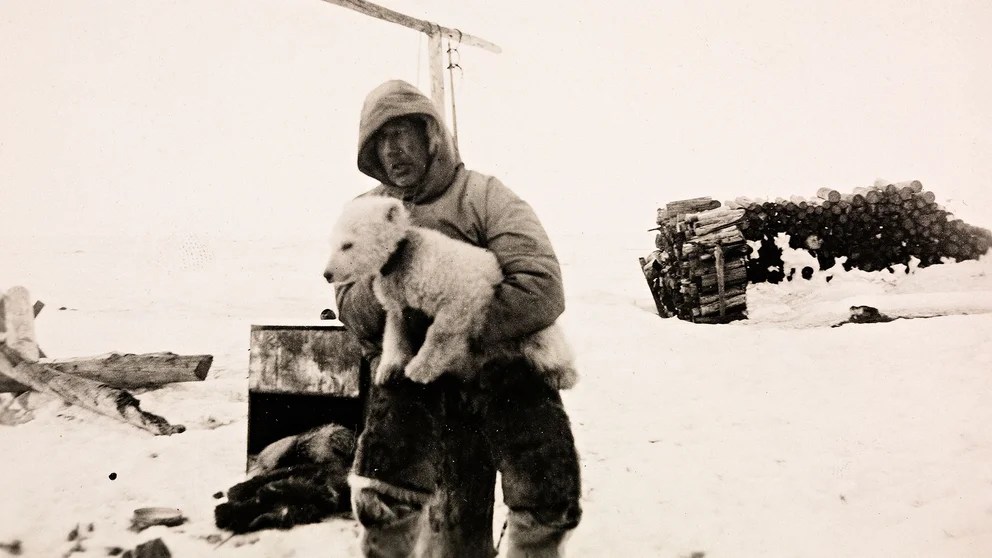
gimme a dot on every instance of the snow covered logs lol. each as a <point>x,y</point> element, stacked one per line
<point>873,228</point>
<point>698,271</point>
<point>19,355</point>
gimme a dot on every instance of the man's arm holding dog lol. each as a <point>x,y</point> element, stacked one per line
<point>531,296</point>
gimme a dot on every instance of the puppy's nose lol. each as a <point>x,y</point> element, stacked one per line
<point>329,276</point>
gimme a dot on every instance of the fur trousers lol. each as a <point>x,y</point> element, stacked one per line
<point>402,458</point>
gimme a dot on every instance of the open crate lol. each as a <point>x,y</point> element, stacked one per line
<point>301,376</point>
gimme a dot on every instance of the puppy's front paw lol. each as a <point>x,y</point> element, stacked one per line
<point>387,372</point>
<point>419,371</point>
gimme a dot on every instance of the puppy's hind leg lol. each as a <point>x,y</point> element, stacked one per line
<point>444,350</point>
<point>396,350</point>
<point>550,354</point>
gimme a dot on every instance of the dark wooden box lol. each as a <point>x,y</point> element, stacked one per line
<point>301,376</point>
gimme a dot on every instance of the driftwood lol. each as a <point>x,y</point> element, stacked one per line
<point>126,371</point>
<point>727,235</point>
<point>131,371</point>
<point>695,205</point>
<point>19,361</point>
<point>86,393</point>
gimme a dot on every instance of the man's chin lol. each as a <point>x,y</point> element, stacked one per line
<point>402,182</point>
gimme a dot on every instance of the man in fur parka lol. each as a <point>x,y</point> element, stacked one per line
<point>401,454</point>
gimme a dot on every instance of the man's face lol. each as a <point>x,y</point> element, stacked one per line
<point>401,144</point>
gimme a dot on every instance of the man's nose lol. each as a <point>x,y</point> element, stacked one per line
<point>391,146</point>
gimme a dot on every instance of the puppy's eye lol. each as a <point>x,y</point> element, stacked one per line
<point>346,246</point>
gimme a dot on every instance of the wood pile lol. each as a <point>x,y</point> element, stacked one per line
<point>704,257</point>
<point>94,383</point>
<point>698,270</point>
<point>874,228</point>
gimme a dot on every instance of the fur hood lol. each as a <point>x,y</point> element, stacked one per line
<point>398,98</point>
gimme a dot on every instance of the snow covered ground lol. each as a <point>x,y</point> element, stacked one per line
<point>777,436</point>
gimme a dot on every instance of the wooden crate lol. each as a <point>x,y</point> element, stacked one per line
<point>301,376</point>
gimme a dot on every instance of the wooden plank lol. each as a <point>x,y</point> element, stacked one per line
<point>385,14</point>
<point>131,371</point>
<point>693,205</point>
<point>319,360</point>
<point>720,285</point>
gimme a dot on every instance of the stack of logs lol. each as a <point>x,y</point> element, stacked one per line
<point>703,261</point>
<point>873,228</point>
<point>698,271</point>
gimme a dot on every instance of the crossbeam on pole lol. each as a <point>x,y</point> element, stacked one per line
<point>376,11</point>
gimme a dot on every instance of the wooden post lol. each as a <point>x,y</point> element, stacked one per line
<point>718,251</point>
<point>437,72</point>
<point>434,34</point>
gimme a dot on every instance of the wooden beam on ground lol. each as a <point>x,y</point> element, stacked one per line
<point>385,14</point>
<point>130,371</point>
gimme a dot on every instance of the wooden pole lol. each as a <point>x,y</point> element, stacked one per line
<point>385,14</point>
<point>434,33</point>
<point>451,80</point>
<point>437,72</point>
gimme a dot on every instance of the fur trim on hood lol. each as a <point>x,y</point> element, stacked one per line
<point>398,98</point>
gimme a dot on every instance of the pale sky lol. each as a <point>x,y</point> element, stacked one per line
<point>240,117</point>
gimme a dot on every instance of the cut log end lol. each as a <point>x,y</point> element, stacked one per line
<point>203,367</point>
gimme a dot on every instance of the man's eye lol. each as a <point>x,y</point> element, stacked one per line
<point>346,246</point>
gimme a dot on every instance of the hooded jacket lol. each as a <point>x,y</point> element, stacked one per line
<point>465,205</point>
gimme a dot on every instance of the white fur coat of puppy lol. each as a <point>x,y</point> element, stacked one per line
<point>449,280</point>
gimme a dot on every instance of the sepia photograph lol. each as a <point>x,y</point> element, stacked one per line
<point>437,279</point>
